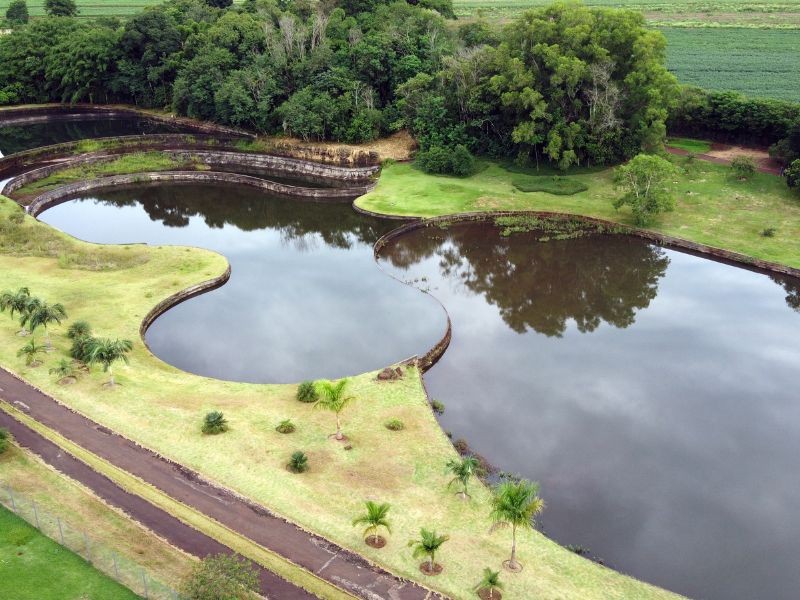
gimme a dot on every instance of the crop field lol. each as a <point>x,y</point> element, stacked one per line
<point>756,62</point>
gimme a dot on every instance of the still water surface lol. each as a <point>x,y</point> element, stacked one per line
<point>652,393</point>
<point>16,138</point>
<point>305,299</point>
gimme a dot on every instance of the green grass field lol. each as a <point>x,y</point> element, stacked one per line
<point>33,567</point>
<point>711,207</point>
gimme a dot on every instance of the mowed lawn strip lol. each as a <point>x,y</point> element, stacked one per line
<point>34,567</point>
<point>712,207</point>
<point>162,408</point>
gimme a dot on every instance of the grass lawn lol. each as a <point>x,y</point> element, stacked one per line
<point>60,496</point>
<point>162,407</point>
<point>690,145</point>
<point>34,567</point>
<point>711,207</point>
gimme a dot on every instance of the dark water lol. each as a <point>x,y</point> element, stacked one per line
<point>653,394</point>
<point>305,299</point>
<point>16,138</point>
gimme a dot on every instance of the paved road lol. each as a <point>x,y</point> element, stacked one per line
<point>329,561</point>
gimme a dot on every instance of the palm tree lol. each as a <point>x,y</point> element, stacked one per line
<point>374,518</point>
<point>490,581</point>
<point>516,504</point>
<point>332,398</point>
<point>428,545</point>
<point>463,469</point>
<point>107,352</point>
<point>14,301</point>
<point>63,369</point>
<point>29,351</point>
<point>42,313</point>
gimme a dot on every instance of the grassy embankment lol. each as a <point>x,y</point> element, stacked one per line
<point>34,567</point>
<point>161,407</point>
<point>58,495</point>
<point>712,207</point>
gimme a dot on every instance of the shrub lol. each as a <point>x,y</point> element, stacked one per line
<point>79,329</point>
<point>559,186</point>
<point>437,406</point>
<point>394,425</point>
<point>81,346</point>
<point>285,426</point>
<point>298,463</point>
<point>645,181</point>
<point>768,232</point>
<point>214,423</point>
<point>743,167</point>
<point>442,160</point>
<point>220,576</point>
<point>5,439</point>
<point>792,174</point>
<point>307,392</point>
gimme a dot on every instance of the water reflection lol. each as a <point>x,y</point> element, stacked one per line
<point>652,393</point>
<point>16,138</point>
<point>305,299</point>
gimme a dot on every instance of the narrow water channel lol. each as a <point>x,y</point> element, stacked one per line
<point>652,393</point>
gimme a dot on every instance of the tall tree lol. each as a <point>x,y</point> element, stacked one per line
<point>44,314</point>
<point>645,181</point>
<point>462,469</point>
<point>61,8</point>
<point>515,505</point>
<point>17,12</point>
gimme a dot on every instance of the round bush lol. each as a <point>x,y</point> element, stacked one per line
<point>214,423</point>
<point>307,392</point>
<point>298,463</point>
<point>285,426</point>
<point>394,425</point>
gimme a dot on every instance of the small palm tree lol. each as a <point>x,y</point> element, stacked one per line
<point>43,314</point>
<point>374,518</point>
<point>214,422</point>
<point>428,545</point>
<point>14,302</point>
<point>107,352</point>
<point>462,469</point>
<point>490,583</point>
<point>516,504</point>
<point>79,329</point>
<point>333,398</point>
<point>30,351</point>
<point>298,463</point>
<point>63,369</point>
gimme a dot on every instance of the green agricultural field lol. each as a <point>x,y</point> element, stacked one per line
<point>33,567</point>
<point>94,8</point>
<point>756,62</point>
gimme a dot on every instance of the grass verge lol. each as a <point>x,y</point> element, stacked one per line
<point>690,145</point>
<point>188,515</point>
<point>712,207</point>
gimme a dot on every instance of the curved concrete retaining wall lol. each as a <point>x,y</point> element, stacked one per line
<point>726,256</point>
<point>175,299</point>
<point>18,162</point>
<point>69,191</point>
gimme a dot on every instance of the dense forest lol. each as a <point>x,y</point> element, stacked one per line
<point>564,84</point>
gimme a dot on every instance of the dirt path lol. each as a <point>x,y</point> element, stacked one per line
<point>723,155</point>
<point>328,561</point>
<point>165,525</point>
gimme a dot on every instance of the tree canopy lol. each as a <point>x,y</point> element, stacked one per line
<point>564,83</point>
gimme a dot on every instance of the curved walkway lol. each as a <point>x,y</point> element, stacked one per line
<point>328,561</point>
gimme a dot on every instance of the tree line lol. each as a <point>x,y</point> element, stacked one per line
<point>565,83</point>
